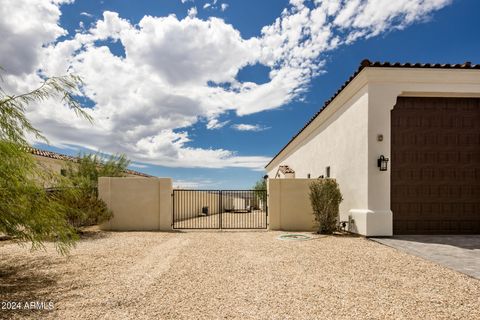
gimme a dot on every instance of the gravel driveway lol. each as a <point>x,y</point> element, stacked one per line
<point>233,275</point>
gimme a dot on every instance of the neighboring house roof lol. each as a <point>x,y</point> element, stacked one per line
<point>286,169</point>
<point>50,154</point>
<point>367,63</point>
<point>64,157</point>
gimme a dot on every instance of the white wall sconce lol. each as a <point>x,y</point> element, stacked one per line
<point>382,163</point>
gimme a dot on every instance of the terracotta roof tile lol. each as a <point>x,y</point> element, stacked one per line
<point>377,64</point>
<point>50,154</point>
<point>59,156</point>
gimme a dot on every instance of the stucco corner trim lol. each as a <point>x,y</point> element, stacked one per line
<point>371,223</point>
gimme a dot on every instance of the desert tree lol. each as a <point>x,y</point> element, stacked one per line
<point>28,212</point>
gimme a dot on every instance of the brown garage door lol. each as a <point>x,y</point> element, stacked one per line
<point>435,172</point>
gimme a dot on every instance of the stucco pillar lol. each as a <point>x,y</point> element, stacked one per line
<point>273,203</point>
<point>165,206</point>
<point>378,217</point>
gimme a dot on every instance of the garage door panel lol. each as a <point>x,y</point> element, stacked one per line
<point>435,167</point>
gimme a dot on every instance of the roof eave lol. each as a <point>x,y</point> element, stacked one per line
<point>370,65</point>
<point>343,92</point>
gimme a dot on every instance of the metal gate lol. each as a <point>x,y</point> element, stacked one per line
<point>219,209</point>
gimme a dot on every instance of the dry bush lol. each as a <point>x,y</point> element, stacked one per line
<point>325,197</point>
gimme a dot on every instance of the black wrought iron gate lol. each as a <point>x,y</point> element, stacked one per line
<point>219,209</point>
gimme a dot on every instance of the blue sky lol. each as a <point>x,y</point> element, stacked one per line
<point>191,144</point>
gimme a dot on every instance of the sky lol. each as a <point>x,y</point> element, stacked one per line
<point>208,91</point>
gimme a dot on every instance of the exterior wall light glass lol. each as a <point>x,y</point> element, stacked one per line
<point>382,163</point>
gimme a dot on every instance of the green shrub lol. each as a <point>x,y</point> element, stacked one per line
<point>325,197</point>
<point>84,208</point>
<point>260,189</point>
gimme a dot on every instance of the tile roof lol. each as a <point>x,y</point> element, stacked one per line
<point>50,154</point>
<point>59,156</point>
<point>367,63</point>
<point>286,169</point>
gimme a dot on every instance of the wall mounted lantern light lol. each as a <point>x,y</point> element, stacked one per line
<point>382,163</point>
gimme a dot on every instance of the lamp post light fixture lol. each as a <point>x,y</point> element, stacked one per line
<point>382,163</point>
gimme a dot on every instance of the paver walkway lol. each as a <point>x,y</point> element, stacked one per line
<point>461,253</point>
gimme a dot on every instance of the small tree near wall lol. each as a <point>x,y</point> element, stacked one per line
<point>85,207</point>
<point>325,197</point>
<point>260,188</point>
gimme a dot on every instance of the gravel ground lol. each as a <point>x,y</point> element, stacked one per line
<point>232,275</point>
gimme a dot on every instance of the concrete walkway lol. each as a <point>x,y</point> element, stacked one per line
<point>460,253</point>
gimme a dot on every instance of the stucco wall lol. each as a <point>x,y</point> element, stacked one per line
<point>289,205</point>
<point>53,165</point>
<point>137,203</point>
<point>340,142</point>
<point>344,137</point>
<point>189,203</point>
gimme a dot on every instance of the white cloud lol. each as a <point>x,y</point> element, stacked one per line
<point>215,124</point>
<point>249,127</point>
<point>178,72</point>
<point>86,14</point>
<point>189,51</point>
<point>298,4</point>
<point>213,6</point>
<point>138,165</point>
<point>192,12</point>
<point>81,27</point>
<point>25,27</point>
<point>377,16</point>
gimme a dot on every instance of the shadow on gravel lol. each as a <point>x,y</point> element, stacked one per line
<point>92,234</point>
<point>23,281</point>
<point>21,284</point>
<point>338,235</point>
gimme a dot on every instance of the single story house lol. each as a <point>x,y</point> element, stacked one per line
<point>403,142</point>
<point>57,162</point>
